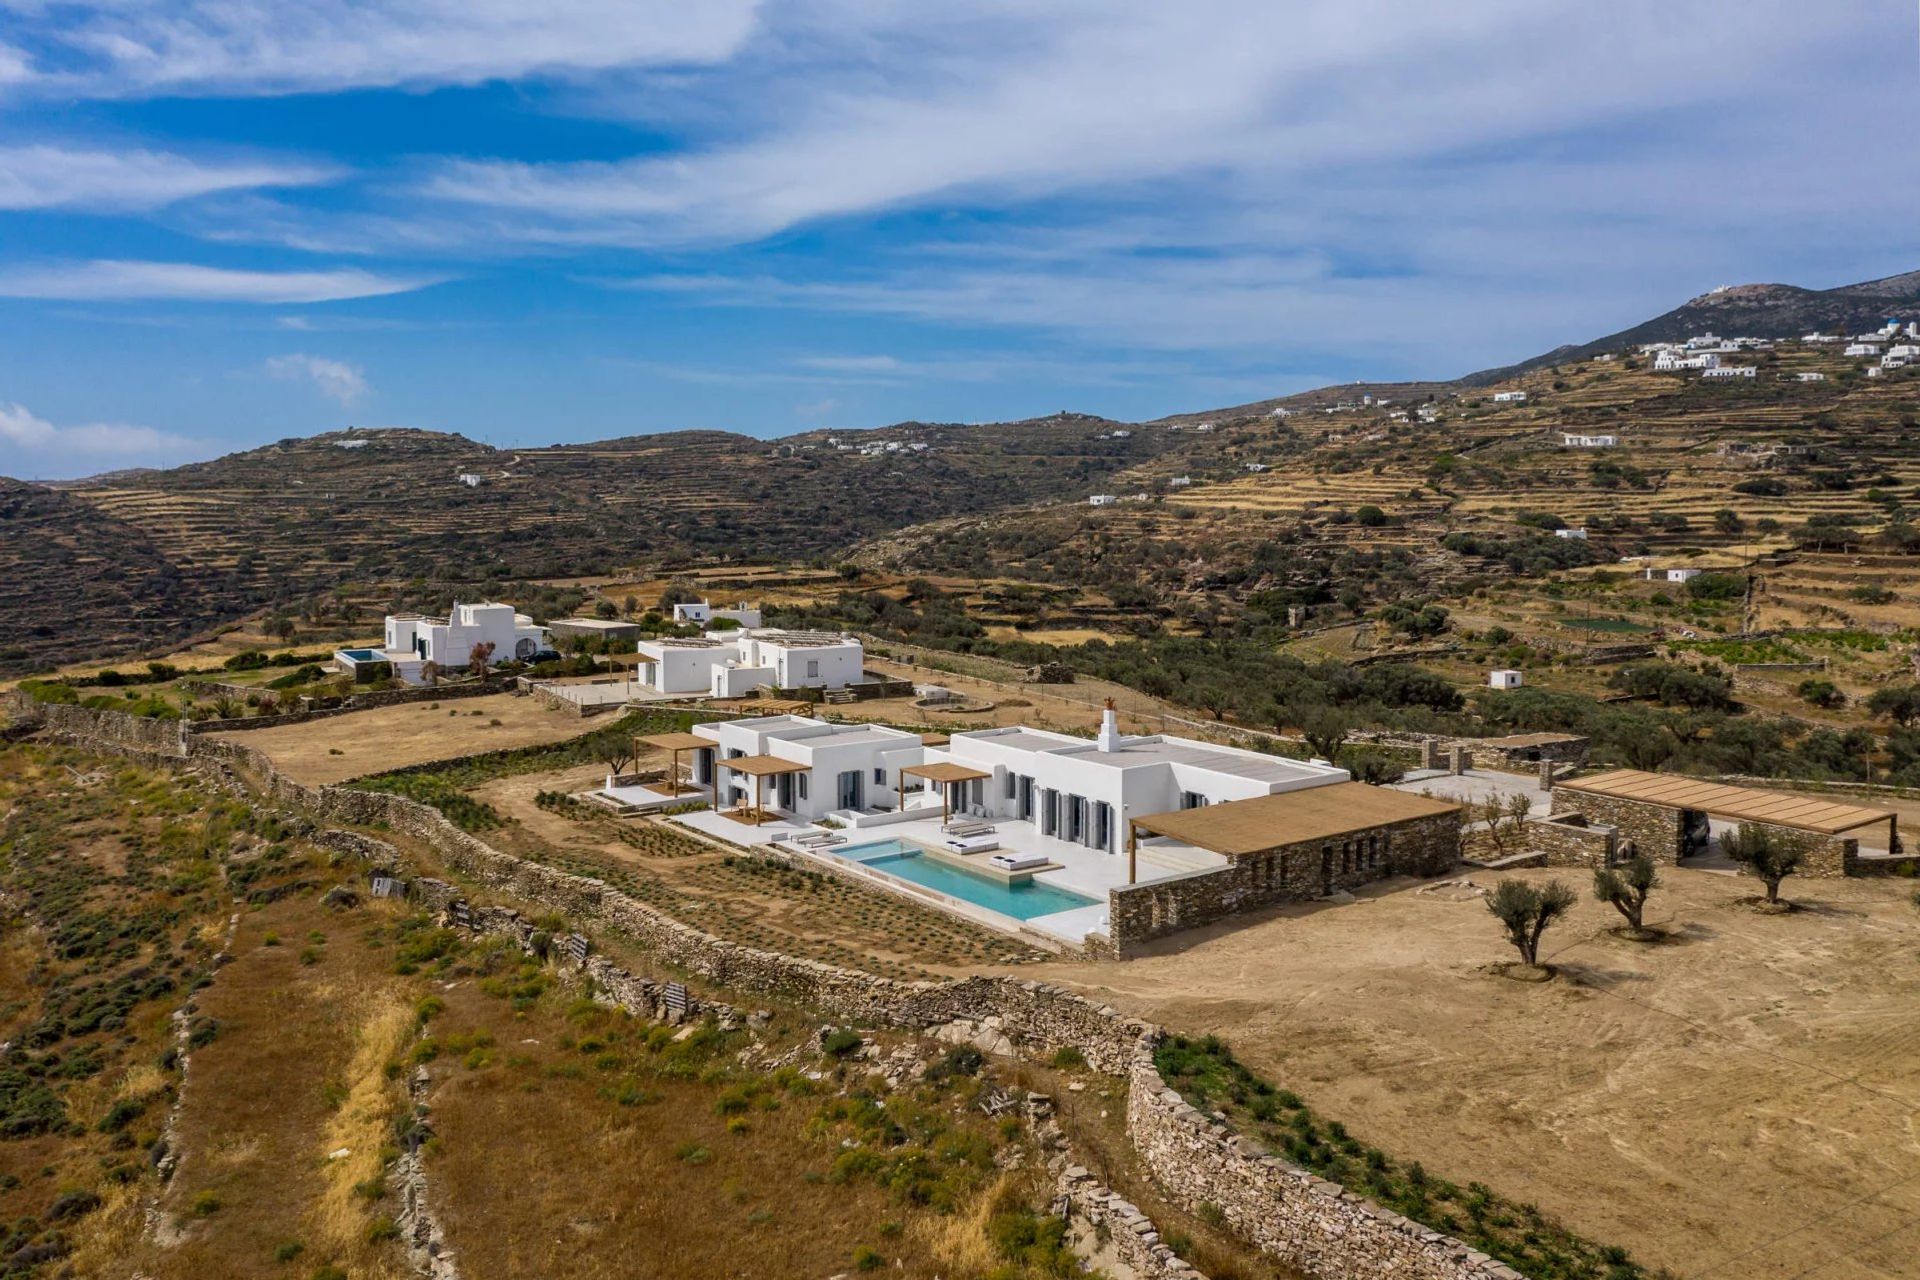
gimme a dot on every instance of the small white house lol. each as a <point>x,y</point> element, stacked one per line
<point>702,613</point>
<point>1862,349</point>
<point>1580,533</point>
<point>1672,575</point>
<point>472,480</point>
<point>1103,500</point>
<point>1730,371</point>
<point>1505,680</point>
<point>1809,377</point>
<point>1571,440</point>
<point>1256,467</point>
<point>1509,397</point>
<point>412,640</point>
<point>733,665</point>
<point>1179,482</point>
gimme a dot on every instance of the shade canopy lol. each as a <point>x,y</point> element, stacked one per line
<point>944,771</point>
<point>1742,804</point>
<point>1241,827</point>
<point>760,766</point>
<point>674,741</point>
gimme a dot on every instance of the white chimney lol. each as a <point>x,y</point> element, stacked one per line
<point>1109,739</point>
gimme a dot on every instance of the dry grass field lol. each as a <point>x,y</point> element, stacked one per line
<point>363,742</point>
<point>1742,1100</point>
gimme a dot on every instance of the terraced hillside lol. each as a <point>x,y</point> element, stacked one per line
<point>1438,492</point>
<point>73,577</point>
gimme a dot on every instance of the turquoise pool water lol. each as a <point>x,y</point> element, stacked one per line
<point>1021,901</point>
<point>361,655</point>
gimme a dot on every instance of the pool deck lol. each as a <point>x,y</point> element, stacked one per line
<point>1087,872</point>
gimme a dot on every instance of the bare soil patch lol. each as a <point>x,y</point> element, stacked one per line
<point>1743,1100</point>
<point>350,746</point>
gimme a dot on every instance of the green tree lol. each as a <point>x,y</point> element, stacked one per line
<point>1899,703</point>
<point>1767,852</point>
<point>1525,912</point>
<point>1626,887</point>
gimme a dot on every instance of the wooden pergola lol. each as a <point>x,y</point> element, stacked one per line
<point>673,744</point>
<point>627,662</point>
<point>945,775</point>
<point>759,768</point>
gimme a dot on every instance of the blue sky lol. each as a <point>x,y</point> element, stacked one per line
<point>229,221</point>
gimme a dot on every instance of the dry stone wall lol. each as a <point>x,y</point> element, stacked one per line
<point>1137,913</point>
<point>1654,830</point>
<point>1283,1210</point>
<point>1570,840</point>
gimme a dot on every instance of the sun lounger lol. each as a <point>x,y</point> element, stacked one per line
<point>1019,861</point>
<point>973,844</point>
<point>969,827</point>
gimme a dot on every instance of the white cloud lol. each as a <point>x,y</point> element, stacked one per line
<point>32,447</point>
<point>47,177</point>
<point>133,47</point>
<point>851,108</point>
<point>334,379</point>
<point>103,279</point>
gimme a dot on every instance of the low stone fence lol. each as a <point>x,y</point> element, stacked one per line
<point>1281,1209</point>
<point>360,702</point>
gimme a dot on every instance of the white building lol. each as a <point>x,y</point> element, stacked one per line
<point>471,479</point>
<point>1731,371</point>
<point>1102,500</point>
<point>1810,377</point>
<point>1677,362</point>
<point>1505,680</point>
<point>413,640</point>
<point>802,767</point>
<point>1569,440</point>
<point>732,665</point>
<point>1580,533</point>
<point>1820,339</point>
<point>1862,349</point>
<point>1179,482</point>
<point>1256,467</point>
<point>702,613</point>
<point>1509,397</point>
<point>1672,575</point>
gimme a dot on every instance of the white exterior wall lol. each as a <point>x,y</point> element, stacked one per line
<point>730,680</point>
<point>451,643</point>
<point>874,752</point>
<point>804,666</point>
<point>682,668</point>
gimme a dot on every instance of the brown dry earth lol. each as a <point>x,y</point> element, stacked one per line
<point>1742,1100</point>
<point>411,733</point>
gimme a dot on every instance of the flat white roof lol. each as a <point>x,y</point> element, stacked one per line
<point>1154,750</point>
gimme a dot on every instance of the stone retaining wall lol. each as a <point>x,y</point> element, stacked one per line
<point>1281,1209</point>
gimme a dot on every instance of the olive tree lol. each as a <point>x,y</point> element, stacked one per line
<point>1767,852</point>
<point>1526,910</point>
<point>1626,887</point>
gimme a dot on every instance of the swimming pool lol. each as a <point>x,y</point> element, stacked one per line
<point>1022,900</point>
<point>362,655</point>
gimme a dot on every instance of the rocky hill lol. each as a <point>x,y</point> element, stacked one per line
<point>1749,310</point>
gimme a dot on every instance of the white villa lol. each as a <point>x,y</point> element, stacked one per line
<point>1570,440</point>
<point>1580,533</point>
<point>798,769</point>
<point>1509,397</point>
<point>413,640</point>
<point>734,664</point>
<point>1730,371</point>
<point>702,612</point>
<point>1102,500</point>
<point>1672,575</point>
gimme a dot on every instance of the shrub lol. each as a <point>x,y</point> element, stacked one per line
<point>840,1042</point>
